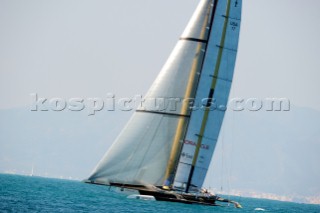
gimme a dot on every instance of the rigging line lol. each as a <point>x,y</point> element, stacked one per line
<point>182,125</point>
<point>222,159</point>
<point>213,85</point>
<point>224,149</point>
<point>232,142</point>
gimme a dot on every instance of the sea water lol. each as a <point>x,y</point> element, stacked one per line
<point>36,194</point>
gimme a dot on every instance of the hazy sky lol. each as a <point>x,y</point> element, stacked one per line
<point>90,48</point>
<point>83,49</point>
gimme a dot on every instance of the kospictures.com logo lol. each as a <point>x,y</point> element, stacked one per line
<point>159,104</point>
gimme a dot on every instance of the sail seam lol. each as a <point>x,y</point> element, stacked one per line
<point>185,163</point>
<point>228,17</point>
<point>222,47</point>
<point>164,113</point>
<point>203,136</point>
<point>189,164</point>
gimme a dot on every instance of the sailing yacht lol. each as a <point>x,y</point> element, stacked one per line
<point>165,152</point>
<point>31,174</point>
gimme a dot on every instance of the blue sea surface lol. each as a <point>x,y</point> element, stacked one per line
<point>36,194</point>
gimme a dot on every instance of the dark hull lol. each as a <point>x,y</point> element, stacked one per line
<point>180,198</point>
<point>172,196</point>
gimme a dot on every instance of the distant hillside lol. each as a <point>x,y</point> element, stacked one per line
<point>272,152</point>
<point>67,144</point>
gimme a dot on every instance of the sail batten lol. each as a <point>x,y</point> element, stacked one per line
<point>194,39</point>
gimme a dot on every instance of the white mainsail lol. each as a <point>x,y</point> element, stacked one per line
<point>153,146</point>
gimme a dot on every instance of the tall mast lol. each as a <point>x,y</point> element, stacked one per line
<point>213,91</point>
<point>195,157</point>
<point>198,35</point>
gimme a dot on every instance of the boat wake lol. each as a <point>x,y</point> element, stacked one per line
<point>259,209</point>
<point>142,197</point>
